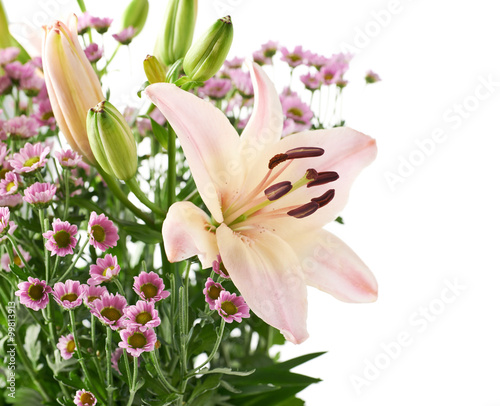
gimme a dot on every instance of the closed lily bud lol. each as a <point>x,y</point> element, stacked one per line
<point>135,15</point>
<point>5,40</point>
<point>176,36</point>
<point>209,52</point>
<point>154,70</point>
<point>72,84</point>
<point>112,141</point>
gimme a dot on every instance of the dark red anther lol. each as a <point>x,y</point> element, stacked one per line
<point>276,160</point>
<point>324,178</point>
<point>325,198</point>
<point>304,152</point>
<point>312,174</point>
<point>274,192</point>
<point>304,210</point>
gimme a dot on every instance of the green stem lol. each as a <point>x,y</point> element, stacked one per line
<point>80,356</point>
<point>220,333</point>
<point>109,372</point>
<point>75,260</point>
<point>104,70</point>
<point>120,195</point>
<point>136,190</point>
<point>44,227</point>
<point>81,3</point>
<point>172,163</point>
<point>119,286</point>
<point>127,367</point>
<point>66,194</point>
<point>160,373</point>
<point>134,381</point>
<point>92,337</point>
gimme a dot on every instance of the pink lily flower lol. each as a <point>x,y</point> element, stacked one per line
<point>269,199</point>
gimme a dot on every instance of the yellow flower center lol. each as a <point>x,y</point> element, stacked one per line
<point>10,186</point>
<point>137,340</point>
<point>143,318</point>
<point>35,292</point>
<point>62,238</point>
<point>111,313</point>
<point>70,347</point>
<point>229,308</point>
<point>70,297</point>
<point>214,292</point>
<point>32,161</point>
<point>149,290</point>
<point>87,399</point>
<point>98,233</point>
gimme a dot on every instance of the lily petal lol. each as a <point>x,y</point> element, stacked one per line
<point>265,270</point>
<point>185,234</point>
<point>331,266</point>
<point>266,123</point>
<point>208,140</point>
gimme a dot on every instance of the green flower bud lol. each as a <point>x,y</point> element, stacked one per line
<point>209,52</point>
<point>111,141</point>
<point>177,35</point>
<point>135,15</point>
<point>154,70</point>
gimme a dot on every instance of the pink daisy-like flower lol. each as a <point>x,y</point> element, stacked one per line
<point>115,359</point>
<point>125,36</point>
<point>242,82</point>
<point>150,287</point>
<point>10,184</point>
<point>269,49</point>
<point>68,158</point>
<point>109,309</point>
<point>40,194</point>
<point>21,127</point>
<point>61,239</point>
<point>317,61</point>
<point>8,55</point>
<point>219,268</point>
<point>11,200</point>
<point>231,307</point>
<point>142,316</point>
<point>215,88</point>
<point>103,233</point>
<point>34,293</point>
<point>298,111</point>
<point>311,81</point>
<point>84,398</point>
<point>17,71</point>
<point>5,260</point>
<point>66,346</point>
<point>30,158</point>
<point>372,77</point>
<point>6,226</point>
<point>101,25</point>
<point>296,57</point>
<point>5,85</point>
<point>136,341</point>
<point>84,23</point>
<point>289,127</point>
<point>106,269</point>
<point>92,293</point>
<point>260,58</point>
<point>68,294</point>
<point>93,52</point>
<point>32,85</point>
<point>44,115</point>
<point>234,63</point>
<point>331,73</point>
<point>212,292</point>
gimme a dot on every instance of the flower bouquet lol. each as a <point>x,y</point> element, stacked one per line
<point>160,254</point>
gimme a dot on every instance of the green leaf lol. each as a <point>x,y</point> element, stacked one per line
<point>142,88</point>
<point>143,233</point>
<point>160,133</point>
<point>227,371</point>
<point>339,220</point>
<point>292,363</point>
<point>209,384</point>
<point>19,272</point>
<point>24,396</point>
<point>32,346</point>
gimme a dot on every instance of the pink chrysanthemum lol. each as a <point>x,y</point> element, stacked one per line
<point>17,71</point>
<point>125,36</point>
<point>242,82</point>
<point>5,85</point>
<point>68,294</point>
<point>7,55</point>
<point>296,57</point>
<point>84,398</point>
<point>102,232</point>
<point>311,81</point>
<point>115,359</point>
<point>372,77</point>
<point>297,110</point>
<point>136,341</point>
<point>219,268</point>
<point>330,73</point>
<point>68,158</point>
<point>215,88</point>
<point>261,59</point>
<point>234,63</point>
<point>6,226</point>
<point>30,158</point>
<point>109,309</point>
<point>44,115</point>
<point>93,52</point>
<point>34,293</point>
<point>84,23</point>
<point>32,85</point>
<point>10,184</point>
<point>92,293</point>
<point>21,127</point>
<point>150,287</point>
<point>269,49</point>
<point>101,25</point>
<point>317,61</point>
<point>105,270</point>
<point>5,260</point>
<point>40,194</point>
<point>142,316</point>
<point>212,292</point>
<point>61,239</point>
<point>231,307</point>
<point>66,346</point>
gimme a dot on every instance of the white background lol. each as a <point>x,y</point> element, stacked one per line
<point>438,225</point>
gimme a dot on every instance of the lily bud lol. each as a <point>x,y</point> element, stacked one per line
<point>155,72</point>
<point>112,141</point>
<point>72,84</point>
<point>5,40</point>
<point>209,52</point>
<point>135,15</point>
<point>177,35</point>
